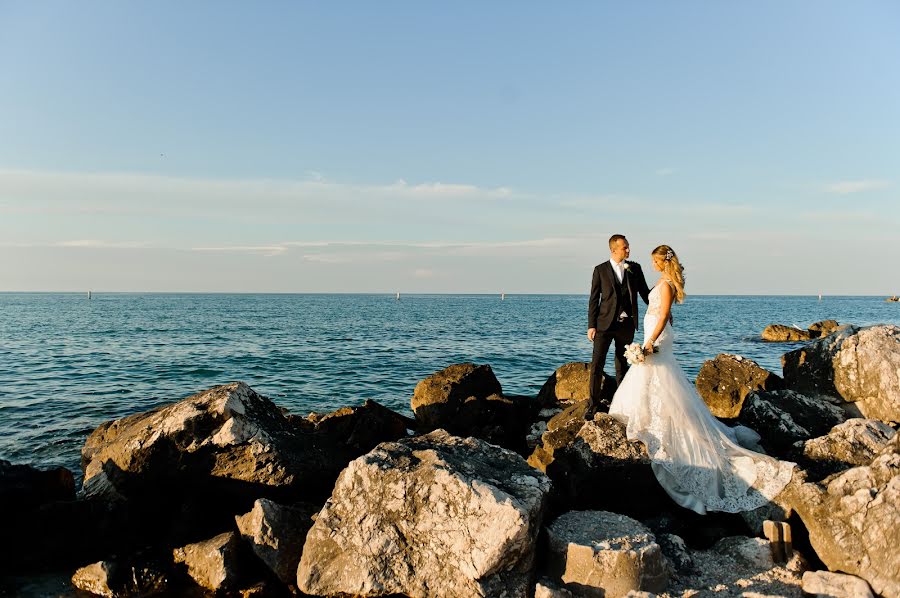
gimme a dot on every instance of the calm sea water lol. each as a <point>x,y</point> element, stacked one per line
<point>68,364</point>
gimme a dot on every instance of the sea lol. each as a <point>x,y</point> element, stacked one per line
<point>69,362</point>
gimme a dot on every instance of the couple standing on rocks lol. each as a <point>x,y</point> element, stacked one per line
<point>699,461</point>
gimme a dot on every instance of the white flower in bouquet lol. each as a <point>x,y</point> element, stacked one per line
<point>634,354</point>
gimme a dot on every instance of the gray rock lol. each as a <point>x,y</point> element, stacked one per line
<point>433,515</point>
<point>674,549</point>
<point>546,588</point>
<point>783,417</point>
<point>860,366</point>
<point>604,554</point>
<point>724,383</point>
<point>824,584</point>
<point>214,563</point>
<point>276,534</point>
<point>853,521</point>
<point>852,443</point>
<point>754,553</point>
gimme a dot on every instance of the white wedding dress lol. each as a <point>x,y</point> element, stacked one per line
<point>695,457</point>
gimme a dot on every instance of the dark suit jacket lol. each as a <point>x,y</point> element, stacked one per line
<point>603,308</point>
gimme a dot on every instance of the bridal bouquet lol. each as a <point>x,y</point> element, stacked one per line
<point>634,354</point>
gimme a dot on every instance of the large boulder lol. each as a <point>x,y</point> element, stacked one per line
<point>571,383</point>
<point>276,534</point>
<point>856,365</point>
<point>560,432</point>
<point>467,400</point>
<point>853,519</point>
<point>782,333</point>
<point>595,466</point>
<point>434,515</point>
<point>852,443</point>
<point>724,383</point>
<point>26,487</point>
<point>113,579</point>
<point>824,584</point>
<point>784,417</point>
<point>824,328</point>
<point>602,554</point>
<point>355,431</point>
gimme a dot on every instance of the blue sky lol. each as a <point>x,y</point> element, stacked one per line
<point>457,147</point>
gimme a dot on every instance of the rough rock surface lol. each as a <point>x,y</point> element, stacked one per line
<point>111,579</point>
<point>467,400</point>
<point>26,487</point>
<point>853,520</point>
<point>355,430</point>
<point>214,563</point>
<point>546,588</point>
<point>825,584</point>
<point>724,383</point>
<point>852,443</point>
<point>783,417</point>
<point>782,333</point>
<point>560,432</point>
<point>276,534</point>
<point>824,328</point>
<point>598,553</point>
<point>599,468</point>
<point>228,440</point>
<point>434,515</point>
<point>857,365</point>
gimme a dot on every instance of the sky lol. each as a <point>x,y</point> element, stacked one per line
<point>459,147</point>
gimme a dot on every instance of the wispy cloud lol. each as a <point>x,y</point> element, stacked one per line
<point>265,250</point>
<point>100,244</point>
<point>666,171</point>
<point>845,187</point>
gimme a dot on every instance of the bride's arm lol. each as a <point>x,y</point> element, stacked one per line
<point>666,295</point>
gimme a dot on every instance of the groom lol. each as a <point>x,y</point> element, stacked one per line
<point>612,311</point>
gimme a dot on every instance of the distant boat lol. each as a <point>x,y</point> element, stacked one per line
<point>893,299</point>
<point>820,296</point>
<point>502,296</point>
<point>398,296</point>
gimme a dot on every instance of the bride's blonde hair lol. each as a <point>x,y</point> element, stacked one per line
<point>671,267</point>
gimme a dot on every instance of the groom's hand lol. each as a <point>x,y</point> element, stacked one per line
<point>592,332</point>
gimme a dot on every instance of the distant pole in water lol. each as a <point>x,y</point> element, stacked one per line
<point>502,296</point>
<point>89,295</point>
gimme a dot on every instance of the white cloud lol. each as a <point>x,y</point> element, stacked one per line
<point>845,187</point>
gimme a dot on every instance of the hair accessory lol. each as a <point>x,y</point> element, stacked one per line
<point>669,254</point>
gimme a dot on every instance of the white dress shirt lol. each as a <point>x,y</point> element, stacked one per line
<point>619,269</point>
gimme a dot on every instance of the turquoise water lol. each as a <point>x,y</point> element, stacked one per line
<point>68,364</point>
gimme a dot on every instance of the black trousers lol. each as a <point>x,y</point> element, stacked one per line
<point>620,333</point>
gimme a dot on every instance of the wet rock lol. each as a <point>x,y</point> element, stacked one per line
<point>724,383</point>
<point>824,584</point>
<point>276,534</point>
<point>597,553</point>
<point>855,442</point>
<point>824,328</point>
<point>467,400</point>
<point>213,564</point>
<point>853,520</point>
<point>434,515</point>
<point>859,366</point>
<point>783,417</point>
<point>782,333</point>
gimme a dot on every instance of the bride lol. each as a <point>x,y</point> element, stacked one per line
<point>695,457</point>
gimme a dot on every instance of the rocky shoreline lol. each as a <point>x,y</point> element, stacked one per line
<point>481,494</point>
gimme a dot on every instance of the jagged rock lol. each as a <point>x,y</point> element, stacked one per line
<point>782,333</point>
<point>276,534</point>
<point>356,430</point>
<point>824,328</point>
<point>434,515</point>
<point>860,366</point>
<point>561,431</point>
<point>855,442</point>
<point>853,519</point>
<point>598,553</point>
<point>724,383</point>
<point>226,440</point>
<point>467,400</point>
<point>546,588</point>
<point>213,564</point>
<point>676,551</point>
<point>599,468</point>
<point>23,487</point>
<point>824,584</point>
<point>115,580</point>
<point>783,417</point>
